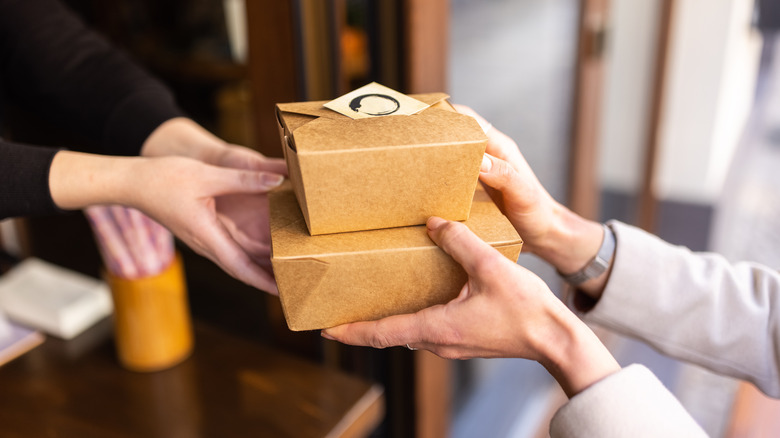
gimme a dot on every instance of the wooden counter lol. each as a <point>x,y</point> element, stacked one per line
<point>229,387</point>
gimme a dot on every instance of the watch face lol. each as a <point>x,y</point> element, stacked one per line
<point>600,262</point>
<point>596,268</point>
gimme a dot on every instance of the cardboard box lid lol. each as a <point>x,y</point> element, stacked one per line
<point>291,239</point>
<point>316,129</point>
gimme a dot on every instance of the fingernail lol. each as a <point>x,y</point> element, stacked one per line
<point>272,179</point>
<point>327,336</point>
<point>435,222</point>
<point>487,164</point>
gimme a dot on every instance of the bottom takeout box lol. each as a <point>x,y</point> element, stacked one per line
<point>333,279</point>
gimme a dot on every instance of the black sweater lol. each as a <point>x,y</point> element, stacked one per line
<point>50,63</point>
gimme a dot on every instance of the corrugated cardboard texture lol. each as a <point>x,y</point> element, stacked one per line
<point>383,172</point>
<point>338,278</point>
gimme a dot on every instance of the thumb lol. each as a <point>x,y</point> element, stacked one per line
<point>225,181</point>
<point>498,174</point>
<point>387,332</point>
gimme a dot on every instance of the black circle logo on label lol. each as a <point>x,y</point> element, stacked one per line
<point>375,104</point>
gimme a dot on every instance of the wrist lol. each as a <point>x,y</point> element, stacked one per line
<point>596,266</point>
<point>571,241</point>
<point>576,358</point>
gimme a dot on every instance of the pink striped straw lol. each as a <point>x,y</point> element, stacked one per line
<point>112,247</point>
<point>131,244</point>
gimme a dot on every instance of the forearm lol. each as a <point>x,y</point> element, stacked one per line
<point>628,403</point>
<point>696,307</point>
<point>78,180</point>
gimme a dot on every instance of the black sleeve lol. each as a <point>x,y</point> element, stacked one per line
<point>24,180</point>
<point>53,65</point>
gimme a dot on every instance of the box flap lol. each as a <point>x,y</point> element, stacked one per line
<point>316,108</point>
<point>431,127</point>
<point>292,239</point>
<point>308,274</point>
<point>295,121</point>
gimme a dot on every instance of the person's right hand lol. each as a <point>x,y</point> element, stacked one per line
<point>514,186</point>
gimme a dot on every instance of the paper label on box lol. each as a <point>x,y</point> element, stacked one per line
<point>375,100</point>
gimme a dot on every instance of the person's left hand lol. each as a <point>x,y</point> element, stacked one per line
<point>503,310</point>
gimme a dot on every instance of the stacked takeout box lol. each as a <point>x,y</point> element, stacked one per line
<point>349,241</point>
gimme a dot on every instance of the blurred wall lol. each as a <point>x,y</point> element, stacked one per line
<point>713,65</point>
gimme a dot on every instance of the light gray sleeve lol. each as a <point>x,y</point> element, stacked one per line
<point>630,403</point>
<point>696,307</point>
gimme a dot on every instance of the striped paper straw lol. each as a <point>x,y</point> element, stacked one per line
<point>131,244</point>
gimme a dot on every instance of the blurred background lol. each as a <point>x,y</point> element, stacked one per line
<point>664,114</point>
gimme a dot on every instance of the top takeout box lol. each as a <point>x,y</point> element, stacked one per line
<point>380,172</point>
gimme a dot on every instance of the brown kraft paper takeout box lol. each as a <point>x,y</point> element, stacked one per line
<point>382,172</point>
<point>366,275</point>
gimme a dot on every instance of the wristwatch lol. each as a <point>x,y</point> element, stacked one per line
<point>598,265</point>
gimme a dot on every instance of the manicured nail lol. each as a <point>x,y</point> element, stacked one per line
<point>487,164</point>
<point>435,222</point>
<point>327,336</point>
<point>272,179</point>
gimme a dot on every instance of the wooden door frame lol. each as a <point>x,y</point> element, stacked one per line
<point>272,59</point>
<point>584,190</point>
<point>648,198</point>
<point>584,187</point>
